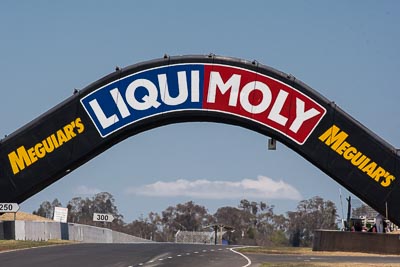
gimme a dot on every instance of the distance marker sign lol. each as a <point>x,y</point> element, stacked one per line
<point>8,207</point>
<point>101,217</point>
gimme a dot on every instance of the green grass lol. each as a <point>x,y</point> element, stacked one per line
<point>289,264</point>
<point>17,244</point>
<point>308,251</point>
<point>276,250</point>
<point>333,264</point>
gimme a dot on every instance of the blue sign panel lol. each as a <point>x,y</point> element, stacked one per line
<point>145,94</point>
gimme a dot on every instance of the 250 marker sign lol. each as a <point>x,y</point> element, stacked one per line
<point>8,207</point>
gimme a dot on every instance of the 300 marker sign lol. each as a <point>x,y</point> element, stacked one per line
<point>101,217</point>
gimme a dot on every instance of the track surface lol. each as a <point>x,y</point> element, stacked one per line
<point>160,254</point>
<point>124,255</point>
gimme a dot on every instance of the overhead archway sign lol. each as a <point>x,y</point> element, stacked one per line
<point>200,88</point>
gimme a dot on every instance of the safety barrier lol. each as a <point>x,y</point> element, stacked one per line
<point>43,231</point>
<point>380,243</point>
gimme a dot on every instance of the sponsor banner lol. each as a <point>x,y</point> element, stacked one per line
<point>142,95</point>
<point>23,157</point>
<point>218,88</point>
<point>336,139</point>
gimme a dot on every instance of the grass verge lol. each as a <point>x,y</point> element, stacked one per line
<point>6,245</point>
<point>303,251</point>
<point>308,251</point>
<point>333,264</point>
<point>277,250</point>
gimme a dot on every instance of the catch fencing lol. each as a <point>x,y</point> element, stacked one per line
<point>194,237</point>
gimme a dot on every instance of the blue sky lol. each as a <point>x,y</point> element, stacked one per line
<point>346,50</point>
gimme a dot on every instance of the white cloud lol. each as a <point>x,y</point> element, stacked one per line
<point>85,190</point>
<point>261,188</point>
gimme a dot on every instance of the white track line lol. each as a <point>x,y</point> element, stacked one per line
<point>244,256</point>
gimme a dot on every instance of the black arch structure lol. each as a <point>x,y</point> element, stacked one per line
<point>215,89</point>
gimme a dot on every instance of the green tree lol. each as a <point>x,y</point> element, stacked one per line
<point>46,209</point>
<point>236,218</point>
<point>252,222</point>
<point>147,228</point>
<point>187,217</point>
<point>311,214</point>
<point>75,209</point>
<point>81,210</point>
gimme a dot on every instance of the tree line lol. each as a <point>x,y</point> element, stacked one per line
<point>253,223</point>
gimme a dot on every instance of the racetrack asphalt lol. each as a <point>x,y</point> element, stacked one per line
<point>125,255</point>
<point>164,254</point>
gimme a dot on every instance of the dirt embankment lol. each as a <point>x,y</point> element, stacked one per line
<point>23,216</point>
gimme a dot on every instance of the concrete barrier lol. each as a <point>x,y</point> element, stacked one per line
<point>89,234</point>
<point>7,230</point>
<point>325,240</point>
<point>19,231</point>
<point>119,237</point>
<point>43,231</point>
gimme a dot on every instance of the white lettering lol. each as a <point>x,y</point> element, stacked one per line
<point>302,116</point>
<point>104,121</point>
<point>216,81</point>
<point>119,101</point>
<point>245,94</point>
<point>149,100</point>
<point>182,86</point>
<point>285,108</point>
<point>195,86</point>
<point>275,115</point>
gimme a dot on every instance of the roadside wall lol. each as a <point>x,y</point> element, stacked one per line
<point>356,242</point>
<point>33,230</point>
<point>119,237</point>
